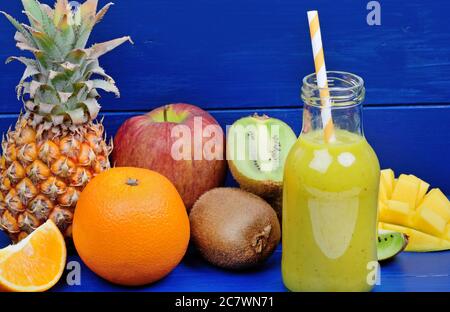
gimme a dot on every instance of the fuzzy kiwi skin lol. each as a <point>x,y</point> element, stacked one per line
<point>234,229</point>
<point>277,203</point>
<point>271,191</point>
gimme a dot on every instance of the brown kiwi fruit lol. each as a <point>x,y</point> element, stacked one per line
<point>234,229</point>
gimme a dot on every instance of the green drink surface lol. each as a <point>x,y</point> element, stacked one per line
<point>330,214</point>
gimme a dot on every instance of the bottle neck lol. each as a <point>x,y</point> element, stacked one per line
<point>348,118</point>
<point>347,93</point>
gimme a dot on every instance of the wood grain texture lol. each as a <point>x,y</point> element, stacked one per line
<point>409,140</point>
<point>407,272</point>
<point>254,53</point>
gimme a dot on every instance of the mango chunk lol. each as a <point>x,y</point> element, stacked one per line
<point>396,212</point>
<point>382,194</point>
<point>404,205</point>
<point>430,222</point>
<point>447,232</point>
<point>418,241</point>
<point>381,206</point>
<point>437,202</point>
<point>388,179</point>
<point>406,190</point>
<point>423,188</point>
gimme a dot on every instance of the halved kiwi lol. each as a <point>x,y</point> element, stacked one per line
<point>257,147</point>
<point>390,244</point>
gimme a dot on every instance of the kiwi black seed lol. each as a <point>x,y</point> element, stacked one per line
<point>234,229</point>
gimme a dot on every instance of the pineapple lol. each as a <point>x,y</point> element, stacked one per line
<point>56,146</point>
<point>424,217</point>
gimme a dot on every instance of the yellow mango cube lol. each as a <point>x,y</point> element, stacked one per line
<point>388,179</point>
<point>382,195</point>
<point>406,190</point>
<point>447,232</point>
<point>430,222</point>
<point>437,202</point>
<point>422,190</point>
<point>381,208</point>
<point>395,212</point>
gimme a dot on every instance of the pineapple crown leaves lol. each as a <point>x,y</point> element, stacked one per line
<point>61,81</point>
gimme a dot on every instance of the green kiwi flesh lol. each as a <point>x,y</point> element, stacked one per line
<point>390,244</point>
<point>234,229</point>
<point>257,147</point>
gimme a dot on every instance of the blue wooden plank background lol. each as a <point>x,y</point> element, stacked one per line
<point>408,139</point>
<point>237,57</point>
<point>253,53</point>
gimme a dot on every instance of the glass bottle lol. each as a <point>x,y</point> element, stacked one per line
<point>330,195</point>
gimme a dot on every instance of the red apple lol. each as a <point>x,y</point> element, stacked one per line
<point>180,141</point>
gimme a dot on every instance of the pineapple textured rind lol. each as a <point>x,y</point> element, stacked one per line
<point>44,171</point>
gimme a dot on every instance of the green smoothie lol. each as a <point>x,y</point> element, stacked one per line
<point>330,213</point>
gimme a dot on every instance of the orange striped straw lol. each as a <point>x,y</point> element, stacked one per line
<point>321,74</point>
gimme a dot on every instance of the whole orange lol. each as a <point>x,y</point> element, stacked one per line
<point>131,226</point>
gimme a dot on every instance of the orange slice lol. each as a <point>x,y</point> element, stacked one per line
<point>36,263</point>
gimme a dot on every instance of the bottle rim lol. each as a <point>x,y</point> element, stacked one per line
<point>352,94</point>
<point>313,85</point>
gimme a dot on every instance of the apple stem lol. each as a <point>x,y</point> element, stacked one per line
<point>165,112</point>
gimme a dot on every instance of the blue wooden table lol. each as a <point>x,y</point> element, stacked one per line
<point>408,272</point>
<point>235,58</point>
